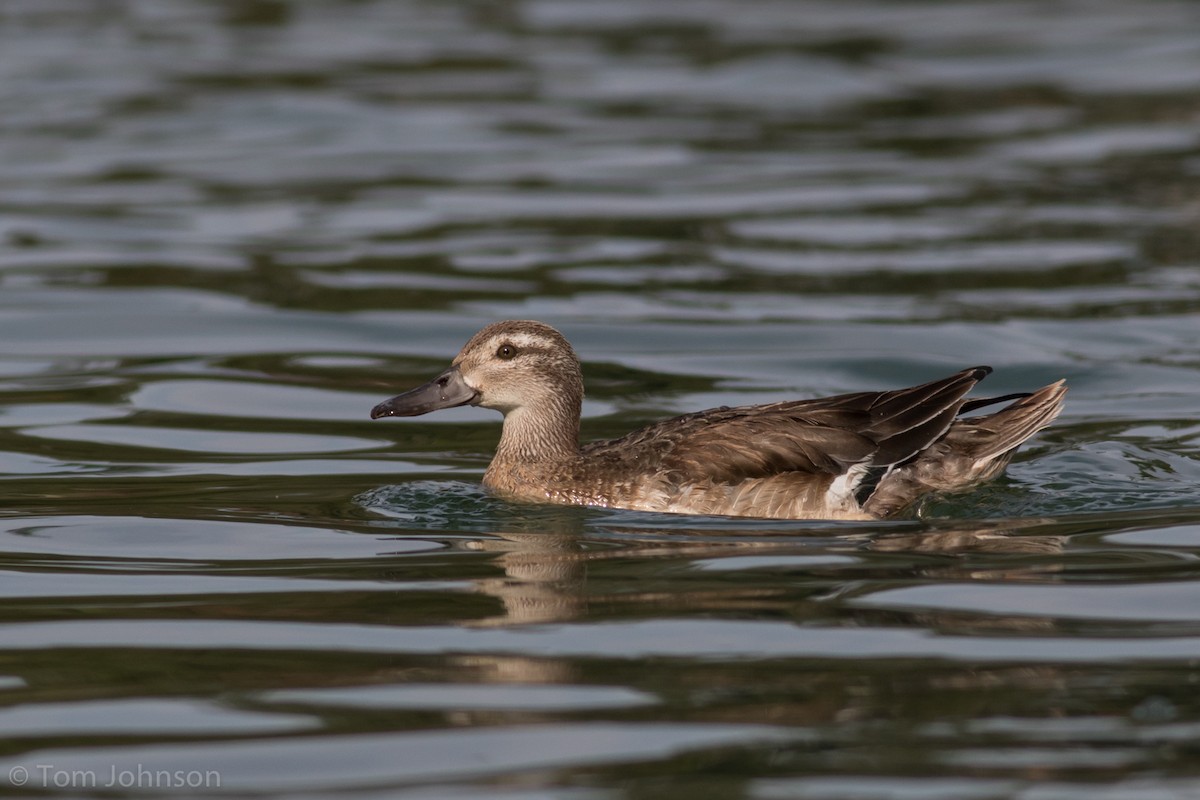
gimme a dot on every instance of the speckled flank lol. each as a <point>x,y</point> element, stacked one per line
<point>856,456</point>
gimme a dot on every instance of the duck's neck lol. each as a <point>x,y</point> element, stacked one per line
<point>547,433</point>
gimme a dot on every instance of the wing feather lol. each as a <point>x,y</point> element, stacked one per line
<point>821,437</point>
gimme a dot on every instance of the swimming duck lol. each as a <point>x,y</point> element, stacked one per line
<point>866,455</point>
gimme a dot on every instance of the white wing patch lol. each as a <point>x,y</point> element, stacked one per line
<point>841,492</point>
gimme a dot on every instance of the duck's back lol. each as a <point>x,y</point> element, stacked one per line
<point>795,459</point>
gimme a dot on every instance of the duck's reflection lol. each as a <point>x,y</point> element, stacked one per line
<point>550,564</point>
<point>1006,536</point>
<point>545,577</point>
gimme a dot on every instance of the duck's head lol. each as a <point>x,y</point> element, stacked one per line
<point>508,366</point>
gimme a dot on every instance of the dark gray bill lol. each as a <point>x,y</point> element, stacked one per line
<point>445,391</point>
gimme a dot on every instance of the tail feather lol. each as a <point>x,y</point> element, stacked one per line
<point>984,402</point>
<point>973,449</point>
<point>1000,432</point>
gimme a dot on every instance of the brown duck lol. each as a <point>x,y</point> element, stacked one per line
<point>865,455</point>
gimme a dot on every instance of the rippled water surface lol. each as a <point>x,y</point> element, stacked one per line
<point>228,229</point>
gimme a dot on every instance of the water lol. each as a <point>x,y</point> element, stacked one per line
<point>227,230</point>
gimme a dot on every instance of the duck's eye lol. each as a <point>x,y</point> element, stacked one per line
<point>506,351</point>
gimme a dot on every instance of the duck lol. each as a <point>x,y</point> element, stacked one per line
<point>859,456</point>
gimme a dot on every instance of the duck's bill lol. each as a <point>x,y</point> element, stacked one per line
<point>445,391</point>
